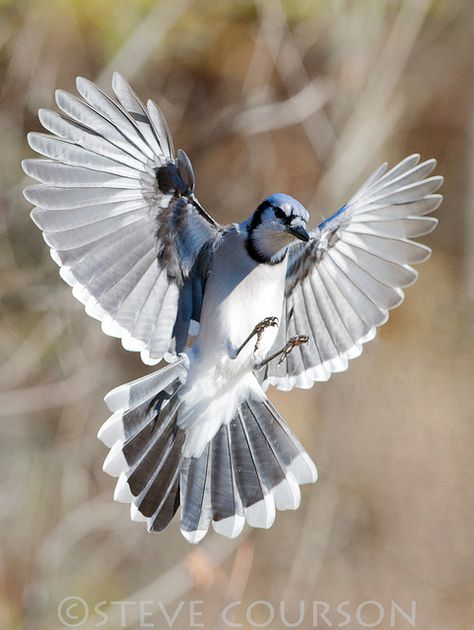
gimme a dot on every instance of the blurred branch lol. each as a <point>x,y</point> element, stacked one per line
<point>317,528</point>
<point>287,60</point>
<point>377,111</point>
<point>293,111</point>
<point>171,585</point>
<point>239,577</point>
<point>469,196</point>
<point>24,58</point>
<point>145,40</point>
<point>241,570</point>
<point>73,526</point>
<point>51,395</point>
<point>259,68</point>
<point>28,353</point>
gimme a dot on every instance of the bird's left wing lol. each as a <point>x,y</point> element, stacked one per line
<point>341,285</point>
<point>120,216</point>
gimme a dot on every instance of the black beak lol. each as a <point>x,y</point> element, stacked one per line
<point>299,232</point>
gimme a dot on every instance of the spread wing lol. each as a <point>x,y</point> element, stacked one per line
<point>120,216</point>
<point>341,285</point>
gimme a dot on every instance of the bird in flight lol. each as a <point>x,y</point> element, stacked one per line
<point>231,309</point>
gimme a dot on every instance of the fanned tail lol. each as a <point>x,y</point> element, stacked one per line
<point>253,466</point>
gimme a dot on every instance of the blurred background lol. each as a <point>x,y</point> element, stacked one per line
<point>303,97</point>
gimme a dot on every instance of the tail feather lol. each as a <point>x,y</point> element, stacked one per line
<point>167,488</point>
<point>249,484</point>
<point>130,418</point>
<point>196,482</point>
<point>282,484</point>
<point>255,493</point>
<point>146,445</point>
<point>253,466</point>
<point>162,480</point>
<point>151,482</point>
<point>274,430</point>
<point>228,511</point>
<point>145,448</point>
<point>257,466</point>
<point>152,464</point>
<point>271,471</point>
<point>143,389</point>
<point>293,455</point>
<point>225,496</point>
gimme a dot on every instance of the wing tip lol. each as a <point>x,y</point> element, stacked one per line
<point>118,80</point>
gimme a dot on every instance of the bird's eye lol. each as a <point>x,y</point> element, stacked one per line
<point>279,213</point>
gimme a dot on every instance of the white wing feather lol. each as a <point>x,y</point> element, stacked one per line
<point>342,284</point>
<point>99,207</point>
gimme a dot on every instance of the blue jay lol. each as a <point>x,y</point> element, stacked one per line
<point>231,309</point>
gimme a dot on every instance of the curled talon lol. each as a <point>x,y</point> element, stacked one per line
<point>258,331</point>
<point>266,323</point>
<point>297,340</point>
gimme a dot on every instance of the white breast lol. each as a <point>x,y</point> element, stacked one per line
<point>239,294</point>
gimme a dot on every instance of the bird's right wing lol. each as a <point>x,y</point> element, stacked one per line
<point>341,285</point>
<point>120,216</point>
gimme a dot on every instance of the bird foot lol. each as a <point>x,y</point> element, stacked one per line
<point>259,329</point>
<point>265,323</point>
<point>293,342</point>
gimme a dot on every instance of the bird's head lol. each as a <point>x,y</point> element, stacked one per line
<point>277,222</point>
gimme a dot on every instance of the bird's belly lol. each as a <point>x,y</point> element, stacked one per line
<point>227,322</point>
<point>236,299</point>
<point>247,309</point>
<point>217,382</point>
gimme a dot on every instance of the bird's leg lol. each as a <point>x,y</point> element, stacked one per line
<point>258,330</point>
<point>293,342</point>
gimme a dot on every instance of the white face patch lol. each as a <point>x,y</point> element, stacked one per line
<point>275,224</point>
<point>271,236</point>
